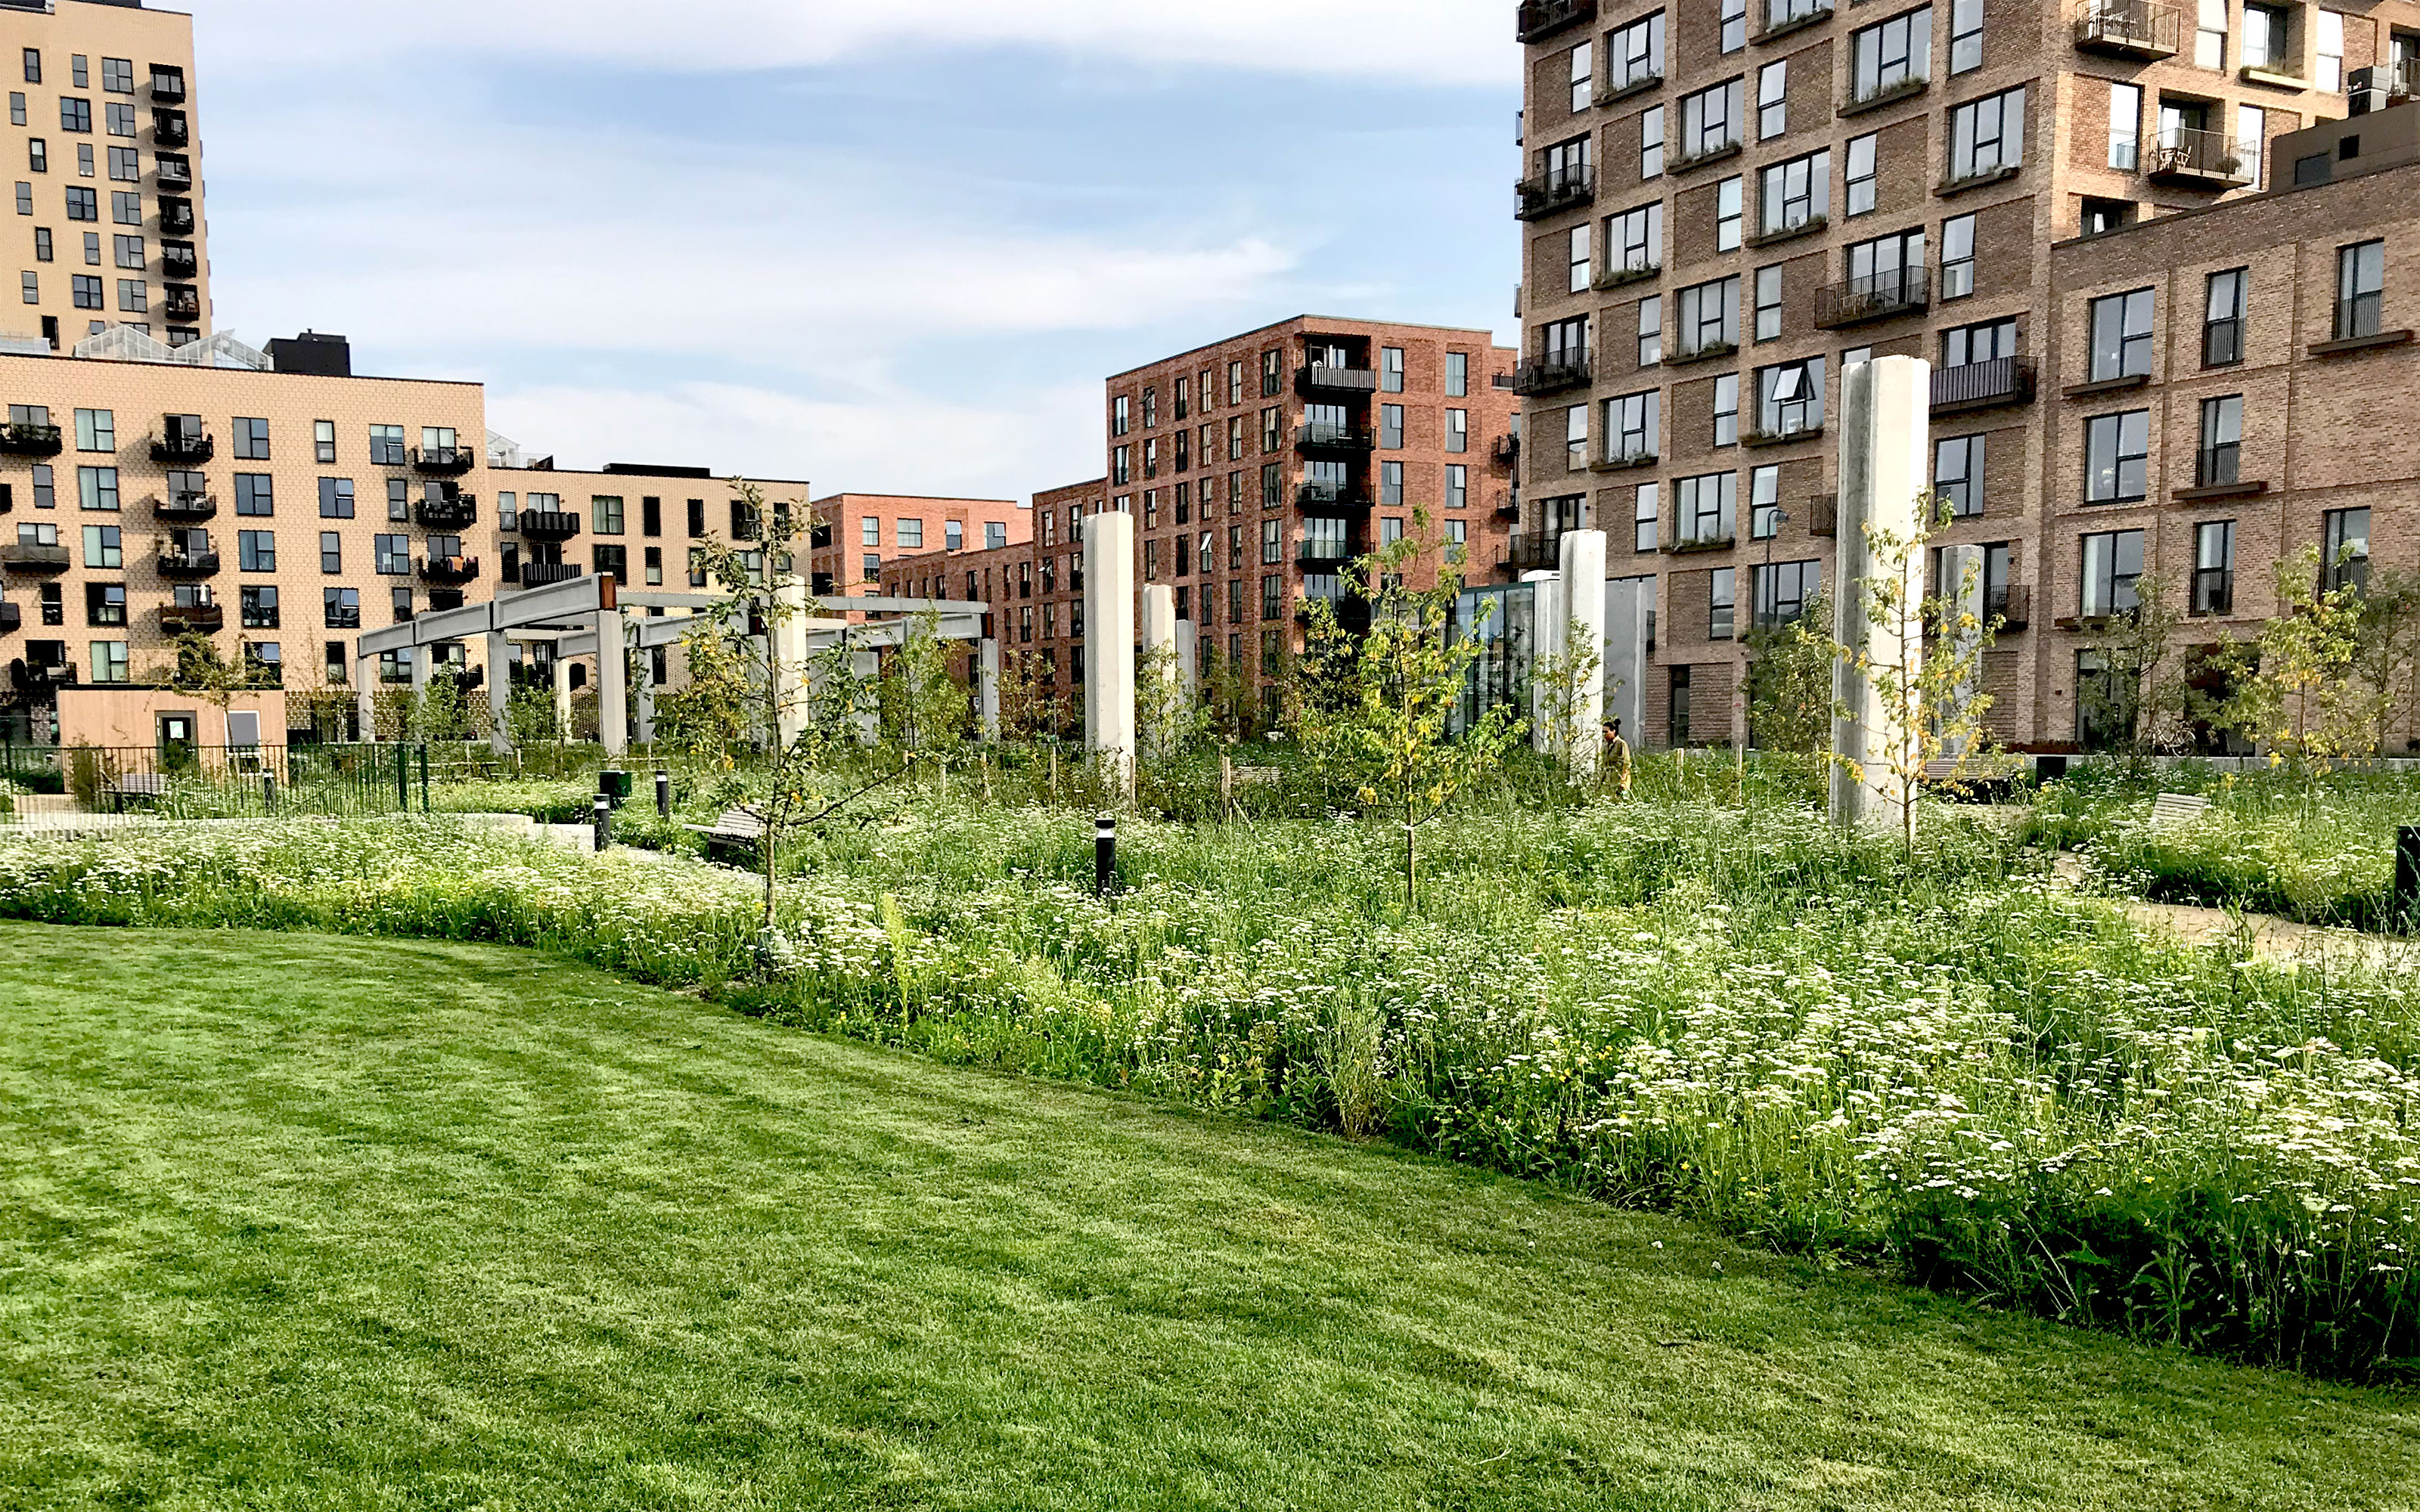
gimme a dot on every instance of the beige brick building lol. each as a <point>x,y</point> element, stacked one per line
<point>104,157</point>
<point>1725,202</point>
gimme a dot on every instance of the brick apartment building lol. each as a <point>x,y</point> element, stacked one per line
<point>858,535</point>
<point>1725,203</point>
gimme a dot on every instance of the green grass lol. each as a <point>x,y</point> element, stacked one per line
<point>295,1222</point>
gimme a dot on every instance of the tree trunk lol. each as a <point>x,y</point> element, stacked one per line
<point>1411,871</point>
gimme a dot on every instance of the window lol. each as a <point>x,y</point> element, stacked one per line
<point>1457,431</point>
<point>1575,437</point>
<point>1958,256</point>
<point>1986,342</point>
<point>259,608</point>
<point>2265,41</point>
<point>398,501</point>
<point>1631,426</point>
<point>75,115</point>
<point>1780,592</point>
<point>87,293</point>
<point>1965,36</point>
<point>386,446</point>
<point>254,494</point>
<point>1391,369</point>
<point>2117,452</point>
<point>125,207</point>
<point>1644,529</point>
<point>1722,593</point>
<point>1988,135</point>
<point>1272,542</point>
<point>1796,192</point>
<point>1183,397</point>
<point>1708,508</point>
<point>1727,392</point>
<point>394,553</point>
<point>1122,415</point>
<point>1888,271</point>
<point>610,560</point>
<point>96,430</point>
<point>1861,174</point>
<point>2345,550</point>
<point>37,155</point>
<point>994,535</point>
<point>1457,375</point>
<point>104,546</point>
<point>1709,316</point>
<point>1579,273</point>
<point>42,252</point>
<point>2220,459</point>
<point>1583,76</point>
<point>1457,485</point>
<point>1272,428</point>
<point>1790,398</point>
<point>1729,211</point>
<point>1892,56</point>
<point>1391,485</point>
<point>1651,152</point>
<point>1651,331</point>
<point>2213,580</point>
<point>331,552</point>
<point>1391,427</point>
<point>257,551</point>
<point>1272,374</point>
<point>1710,120</point>
<point>342,607</point>
<point>2222,327</point>
<point>117,75</point>
<point>109,661</point>
<point>97,488</point>
<point>1958,475</point>
<point>33,287</point>
<point>1634,54</point>
<point>24,199</point>
<point>45,496</point>
<point>2121,336</point>
<point>1679,719</point>
<point>2125,125</point>
<point>92,250</point>
<point>2361,284</point>
<point>1734,24</point>
<point>2331,51</point>
<point>2113,564</point>
<point>1150,408</point>
<point>1773,100</point>
<point>1765,504</point>
<point>1634,240</point>
<point>125,165</point>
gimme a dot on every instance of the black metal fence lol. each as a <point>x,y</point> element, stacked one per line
<point>57,787</point>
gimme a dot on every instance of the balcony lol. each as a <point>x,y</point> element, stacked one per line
<point>1320,556</point>
<point>444,461</point>
<point>550,524</point>
<point>1319,378</point>
<point>169,129</point>
<point>181,301</point>
<point>1506,452</point>
<point>2198,160</point>
<point>1982,385</point>
<point>175,173</point>
<point>31,441</point>
<point>185,508</point>
<point>1532,553</point>
<point>1878,297</point>
<point>1538,20</point>
<point>182,449</point>
<point>1328,499</point>
<point>1554,191</point>
<point>1549,375</point>
<point>1327,438</point>
<point>177,217</point>
<point>12,618</point>
<point>189,565</point>
<point>37,560</point>
<point>1352,611</point>
<point>177,259</point>
<point>1507,508</point>
<point>169,87</point>
<point>2130,28</point>
<point>2013,607</point>
<point>540,573</point>
<point>40,676</point>
<point>459,513</point>
<point>451,571</point>
<point>191,619</point>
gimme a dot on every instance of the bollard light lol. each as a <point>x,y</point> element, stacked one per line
<point>269,794</point>
<point>1104,854</point>
<point>604,822</point>
<point>664,793</point>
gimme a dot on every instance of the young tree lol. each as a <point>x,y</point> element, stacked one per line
<point>2307,703</point>
<point>928,709</point>
<point>1789,682</point>
<point>1376,712</point>
<point>2148,693</point>
<point>1560,685</point>
<point>2386,653</point>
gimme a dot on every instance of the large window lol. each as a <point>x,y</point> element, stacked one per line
<point>2125,125</point>
<point>1888,270</point>
<point>1988,135</point>
<point>2213,580</point>
<point>2220,459</point>
<point>2113,564</point>
<point>1984,342</point>
<point>2117,456</point>
<point>1781,592</point>
<point>1790,398</point>
<point>1634,54</point>
<point>1634,240</point>
<point>1631,426</point>
<point>1958,475</point>
<point>1791,194</point>
<point>1710,120</point>
<point>2121,336</point>
<point>1709,316</point>
<point>2345,549</point>
<point>1891,55</point>
<point>2267,40</point>
<point>2222,326</point>
<point>1644,527</point>
<point>1773,100</point>
<point>1707,508</point>
<point>2361,289</point>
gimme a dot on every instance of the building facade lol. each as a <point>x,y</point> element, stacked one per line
<point>1725,203</point>
<point>858,535</point>
<point>103,138</point>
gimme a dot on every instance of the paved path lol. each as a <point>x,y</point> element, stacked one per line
<point>2270,938</point>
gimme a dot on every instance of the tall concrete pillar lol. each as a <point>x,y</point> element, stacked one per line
<point>613,684</point>
<point>365,694</point>
<point>645,692</point>
<point>1109,642</point>
<point>1188,657</point>
<point>1584,639</point>
<point>1161,663</point>
<point>1885,420</point>
<point>500,692</point>
<point>1547,614</point>
<point>988,686</point>
<point>1962,589</point>
<point>1625,658</point>
<point>562,693</point>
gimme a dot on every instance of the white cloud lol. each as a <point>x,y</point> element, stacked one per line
<point>1451,41</point>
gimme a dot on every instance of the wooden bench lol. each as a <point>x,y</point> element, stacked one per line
<point>738,830</point>
<point>144,787</point>
<point>2177,809</point>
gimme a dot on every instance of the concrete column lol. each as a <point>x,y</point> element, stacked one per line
<point>1548,611</point>
<point>1584,633</point>
<point>864,667</point>
<point>647,695</point>
<point>1885,428</point>
<point>1189,654</point>
<point>365,694</point>
<point>500,692</point>
<point>1161,664</point>
<point>421,657</point>
<point>1961,587</point>
<point>613,684</point>
<point>1625,658</point>
<point>988,686</point>
<point>1109,640</point>
<point>562,691</point>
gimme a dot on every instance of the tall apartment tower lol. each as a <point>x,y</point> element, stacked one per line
<point>106,180</point>
<point>1725,201</point>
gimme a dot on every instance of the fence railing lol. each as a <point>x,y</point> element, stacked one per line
<point>52,787</point>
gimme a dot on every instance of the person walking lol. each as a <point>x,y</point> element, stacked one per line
<point>1617,751</point>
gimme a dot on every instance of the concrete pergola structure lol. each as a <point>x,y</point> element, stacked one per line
<point>580,617</point>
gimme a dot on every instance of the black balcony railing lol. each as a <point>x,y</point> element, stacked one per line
<point>1556,371</point>
<point>2207,160</point>
<point>25,557</point>
<point>169,87</point>
<point>550,524</point>
<point>2130,28</point>
<point>1532,553</point>
<point>1878,297</point>
<point>31,441</point>
<point>2013,604</point>
<point>183,447</point>
<point>1324,556</point>
<point>458,513</point>
<point>11,617</point>
<point>1983,385</point>
<point>189,563</point>
<point>1320,378</point>
<point>1556,189</point>
<point>175,173</point>
<point>182,303</point>
<point>184,619</point>
<point>186,508</point>
<point>1328,498</point>
<point>179,260</point>
<point>449,569</point>
<point>540,573</point>
<point>1320,436</point>
<point>177,217</point>
<point>1506,450</point>
<point>444,461</point>
<point>169,129</point>
<point>1537,19</point>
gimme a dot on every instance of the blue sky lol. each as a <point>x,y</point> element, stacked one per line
<point>883,246</point>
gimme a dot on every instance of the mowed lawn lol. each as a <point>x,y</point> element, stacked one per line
<point>292,1222</point>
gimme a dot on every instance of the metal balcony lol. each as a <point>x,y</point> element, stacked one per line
<point>177,217</point>
<point>1318,556</point>
<point>1532,553</point>
<point>1982,385</point>
<point>168,87</point>
<point>40,676</point>
<point>1506,452</point>
<point>459,513</point>
<point>177,259</point>
<point>11,617</point>
<point>540,573</point>
<point>38,560</point>
<point>2012,605</point>
<point>1879,296</point>
<point>1320,437</point>
<point>1547,375</point>
<point>451,571</point>
<point>1554,191</point>
<point>1326,499</point>
<point>2198,160</point>
<point>182,303</point>
<point>175,173</point>
<point>1320,379</point>
<point>189,565</point>
<point>31,441</point>
<point>550,524</point>
<point>444,461</point>
<point>187,619</point>
<point>169,129</point>
<point>2130,28</point>
<point>186,508</point>
<point>182,449</point>
<point>1537,19</point>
